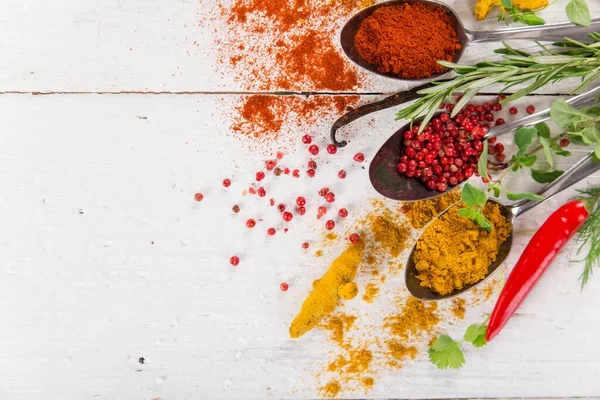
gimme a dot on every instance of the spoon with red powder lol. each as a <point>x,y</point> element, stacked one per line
<point>404,39</point>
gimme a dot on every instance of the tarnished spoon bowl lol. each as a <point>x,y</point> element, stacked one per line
<point>466,37</point>
<point>578,172</point>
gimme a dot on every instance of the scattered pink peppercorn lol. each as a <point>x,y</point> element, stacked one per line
<point>260,176</point>
<point>235,209</point>
<point>306,139</point>
<point>287,216</point>
<point>251,223</point>
<point>321,211</point>
<point>342,174</point>
<point>330,197</point>
<point>270,164</point>
<point>279,155</point>
<point>330,224</point>
<point>499,148</point>
<point>286,171</point>
<point>513,111</point>
<point>261,192</point>
<point>343,213</point>
<point>226,182</point>
<point>312,164</point>
<point>277,171</point>
<point>271,231</point>
<point>405,208</point>
<point>323,192</point>
<point>305,245</point>
<point>313,149</point>
<point>284,286</point>
<point>501,97</point>
<point>500,157</point>
<point>500,121</point>
<point>198,196</point>
<point>281,207</point>
<point>296,173</point>
<point>252,190</point>
<point>310,173</point>
<point>564,142</point>
<point>301,210</point>
<point>530,109</point>
<point>300,201</point>
<point>331,148</point>
<point>353,238</point>
<point>271,202</point>
<point>234,260</point>
<point>359,157</point>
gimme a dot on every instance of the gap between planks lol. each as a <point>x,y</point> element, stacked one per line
<point>277,93</point>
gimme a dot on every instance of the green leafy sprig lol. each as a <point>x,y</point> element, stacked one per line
<point>573,59</point>
<point>446,352</point>
<point>589,234</point>
<point>512,12</point>
<point>578,12</point>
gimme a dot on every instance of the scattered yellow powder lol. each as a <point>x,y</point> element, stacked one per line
<point>399,352</point>
<point>319,253</point>
<point>454,251</point>
<point>415,317</point>
<point>389,234</point>
<point>331,389</point>
<point>421,212</point>
<point>354,362</point>
<point>338,325</point>
<point>458,308</point>
<point>382,279</point>
<point>331,236</point>
<point>370,292</point>
<point>371,259</point>
<point>483,7</point>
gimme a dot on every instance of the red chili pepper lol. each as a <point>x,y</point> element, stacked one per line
<point>537,256</point>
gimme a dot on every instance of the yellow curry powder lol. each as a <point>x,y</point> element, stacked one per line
<point>416,316</point>
<point>371,291</point>
<point>458,308</point>
<point>388,234</point>
<point>336,284</point>
<point>483,7</point>
<point>454,251</point>
<point>421,212</point>
<point>338,325</point>
<point>331,389</point>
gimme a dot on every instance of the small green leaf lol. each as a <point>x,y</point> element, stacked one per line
<point>564,114</point>
<point>547,145</point>
<point>467,212</point>
<point>475,334</point>
<point>528,161</point>
<point>506,3</point>
<point>543,130</point>
<point>446,353</point>
<point>482,221</point>
<point>523,139</point>
<point>472,196</point>
<point>579,13</point>
<point>533,20</point>
<point>482,162</point>
<point>542,176</point>
<point>496,190</point>
<point>524,195</point>
<point>563,153</point>
<point>597,150</point>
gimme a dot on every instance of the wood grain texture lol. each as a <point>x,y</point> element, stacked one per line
<point>153,45</point>
<point>107,258</point>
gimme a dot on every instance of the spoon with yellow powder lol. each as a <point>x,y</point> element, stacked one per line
<point>454,254</point>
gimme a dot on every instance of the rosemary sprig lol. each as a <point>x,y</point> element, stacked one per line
<point>571,59</point>
<point>589,234</point>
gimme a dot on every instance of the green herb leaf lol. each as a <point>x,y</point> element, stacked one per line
<point>533,20</point>
<point>467,212</point>
<point>547,147</point>
<point>523,139</point>
<point>528,161</point>
<point>564,114</point>
<point>475,334</point>
<point>496,190</point>
<point>506,3</point>
<point>446,353</point>
<point>472,196</point>
<point>483,159</point>
<point>524,195</point>
<point>579,13</point>
<point>543,130</point>
<point>542,176</point>
<point>482,221</point>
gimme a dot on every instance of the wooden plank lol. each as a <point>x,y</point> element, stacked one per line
<point>151,46</point>
<point>107,258</point>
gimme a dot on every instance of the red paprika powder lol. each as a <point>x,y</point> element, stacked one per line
<point>407,40</point>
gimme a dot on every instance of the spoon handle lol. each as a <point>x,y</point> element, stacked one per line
<point>550,33</point>
<point>578,172</point>
<point>581,100</point>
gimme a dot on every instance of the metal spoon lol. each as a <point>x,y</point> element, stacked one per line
<point>466,36</point>
<point>581,170</point>
<point>390,183</point>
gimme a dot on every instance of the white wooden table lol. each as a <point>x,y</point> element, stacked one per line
<point>105,256</point>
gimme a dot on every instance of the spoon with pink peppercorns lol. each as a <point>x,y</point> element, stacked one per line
<point>412,167</point>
